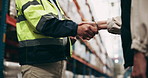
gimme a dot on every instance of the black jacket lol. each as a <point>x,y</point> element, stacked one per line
<point>126,32</point>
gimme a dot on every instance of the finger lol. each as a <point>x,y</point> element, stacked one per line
<point>88,35</point>
<point>80,37</point>
<point>85,38</point>
<point>90,32</point>
<point>88,38</point>
<point>94,29</point>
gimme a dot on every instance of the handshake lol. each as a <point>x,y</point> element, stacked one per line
<point>88,30</point>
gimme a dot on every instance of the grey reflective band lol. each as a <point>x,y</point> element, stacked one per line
<point>43,20</point>
<point>34,2</point>
<point>43,41</point>
<point>21,18</point>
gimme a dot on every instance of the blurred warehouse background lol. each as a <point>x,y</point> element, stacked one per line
<point>100,57</point>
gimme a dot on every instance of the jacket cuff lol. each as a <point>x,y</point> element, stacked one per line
<point>141,47</point>
<point>74,29</point>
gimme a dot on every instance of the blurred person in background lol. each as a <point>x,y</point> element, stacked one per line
<point>139,30</point>
<point>125,32</point>
<point>43,34</point>
<point>135,48</point>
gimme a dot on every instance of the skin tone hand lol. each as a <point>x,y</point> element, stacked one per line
<point>100,24</point>
<point>86,31</point>
<point>139,69</point>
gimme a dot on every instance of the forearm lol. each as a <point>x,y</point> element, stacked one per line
<point>113,25</point>
<point>59,28</point>
<point>139,27</point>
<point>139,30</point>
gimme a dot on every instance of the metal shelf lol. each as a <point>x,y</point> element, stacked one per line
<point>12,43</point>
<point>4,10</point>
<point>86,63</point>
<point>83,19</point>
<point>10,20</point>
<point>94,52</point>
<point>100,72</point>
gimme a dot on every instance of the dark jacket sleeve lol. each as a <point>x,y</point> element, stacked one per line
<point>126,33</point>
<point>59,28</point>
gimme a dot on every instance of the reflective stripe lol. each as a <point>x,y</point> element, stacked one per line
<point>43,20</point>
<point>50,15</point>
<point>43,41</point>
<point>34,2</point>
<point>21,18</point>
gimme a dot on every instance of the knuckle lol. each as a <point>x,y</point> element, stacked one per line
<point>86,29</point>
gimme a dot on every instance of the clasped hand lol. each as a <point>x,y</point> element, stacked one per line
<point>88,30</point>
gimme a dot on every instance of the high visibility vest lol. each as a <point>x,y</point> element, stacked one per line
<point>32,15</point>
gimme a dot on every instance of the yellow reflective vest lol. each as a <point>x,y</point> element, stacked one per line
<point>31,20</point>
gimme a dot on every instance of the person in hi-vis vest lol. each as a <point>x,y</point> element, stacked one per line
<point>43,34</point>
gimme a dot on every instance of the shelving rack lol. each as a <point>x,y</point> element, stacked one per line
<point>90,68</point>
<point>75,59</point>
<point>87,68</point>
<point>4,8</point>
<point>79,59</point>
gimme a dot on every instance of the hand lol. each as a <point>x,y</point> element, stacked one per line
<point>87,31</point>
<point>139,69</point>
<point>100,24</point>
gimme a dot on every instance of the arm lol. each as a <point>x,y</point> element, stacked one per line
<point>139,30</point>
<point>113,25</point>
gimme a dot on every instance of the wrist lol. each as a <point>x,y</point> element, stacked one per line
<point>97,25</point>
<point>138,53</point>
<point>139,56</point>
<point>101,25</point>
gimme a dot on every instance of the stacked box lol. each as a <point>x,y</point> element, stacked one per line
<point>85,12</point>
<point>12,8</point>
<point>71,10</point>
<point>79,49</point>
<point>68,74</point>
<point>12,70</point>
